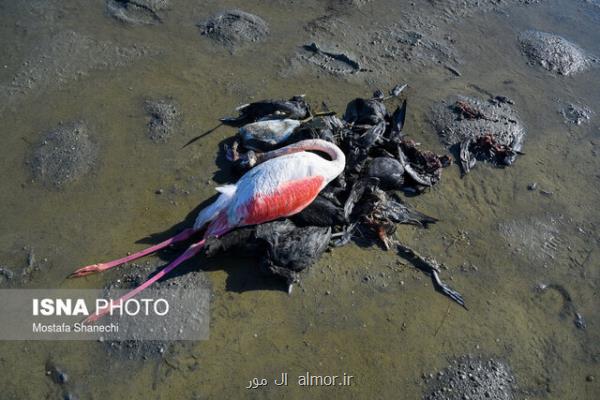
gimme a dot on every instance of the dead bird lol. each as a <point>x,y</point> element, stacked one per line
<point>265,135</point>
<point>423,167</point>
<point>365,112</point>
<point>357,205</point>
<point>285,250</point>
<point>382,211</point>
<point>468,111</point>
<point>369,206</point>
<point>389,171</point>
<point>487,147</point>
<point>294,108</point>
<point>268,134</point>
<point>321,212</point>
<point>397,123</point>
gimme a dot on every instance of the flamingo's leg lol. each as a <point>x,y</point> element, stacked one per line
<point>190,252</point>
<point>90,269</point>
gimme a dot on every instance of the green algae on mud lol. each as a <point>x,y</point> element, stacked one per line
<point>360,310</point>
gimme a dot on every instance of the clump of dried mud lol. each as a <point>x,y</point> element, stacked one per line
<point>165,118</point>
<point>234,28</point>
<point>496,117</point>
<point>472,378</point>
<point>554,53</point>
<point>63,155</point>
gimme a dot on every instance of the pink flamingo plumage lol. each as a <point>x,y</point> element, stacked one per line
<point>284,182</point>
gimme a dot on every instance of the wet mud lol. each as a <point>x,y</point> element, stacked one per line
<point>500,234</point>
<point>64,57</point>
<point>537,239</point>
<point>172,289</point>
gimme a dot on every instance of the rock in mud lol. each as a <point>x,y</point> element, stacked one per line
<point>554,53</point>
<point>490,126</point>
<point>335,62</point>
<point>63,155</point>
<point>165,118</point>
<point>234,28</point>
<point>137,12</point>
<point>576,114</point>
<point>473,378</point>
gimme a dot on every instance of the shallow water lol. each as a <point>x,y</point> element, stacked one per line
<point>361,311</point>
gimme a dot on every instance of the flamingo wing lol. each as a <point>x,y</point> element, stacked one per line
<point>278,188</point>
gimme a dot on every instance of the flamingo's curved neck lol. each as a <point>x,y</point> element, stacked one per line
<point>337,162</point>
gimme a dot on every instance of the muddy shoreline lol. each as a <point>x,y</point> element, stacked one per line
<point>144,77</point>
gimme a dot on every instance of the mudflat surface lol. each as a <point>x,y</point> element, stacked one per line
<point>502,234</point>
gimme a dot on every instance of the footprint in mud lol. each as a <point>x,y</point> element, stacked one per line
<point>539,240</point>
<point>137,12</point>
<point>333,62</point>
<point>234,29</point>
<point>554,53</point>
<point>165,118</point>
<point>469,377</point>
<point>63,155</point>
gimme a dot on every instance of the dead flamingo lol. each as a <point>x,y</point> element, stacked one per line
<point>285,182</point>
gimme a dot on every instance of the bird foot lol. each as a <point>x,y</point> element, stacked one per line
<point>90,269</point>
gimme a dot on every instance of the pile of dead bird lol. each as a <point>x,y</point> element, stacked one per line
<point>362,204</point>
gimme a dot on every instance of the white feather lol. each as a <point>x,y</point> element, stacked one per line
<point>210,212</point>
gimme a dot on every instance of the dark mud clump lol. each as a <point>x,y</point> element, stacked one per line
<point>472,378</point>
<point>165,118</point>
<point>478,129</point>
<point>333,62</point>
<point>234,28</point>
<point>63,155</point>
<point>576,114</point>
<point>553,52</point>
<point>137,12</point>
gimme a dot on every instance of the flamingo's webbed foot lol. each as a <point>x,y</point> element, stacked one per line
<point>90,269</point>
